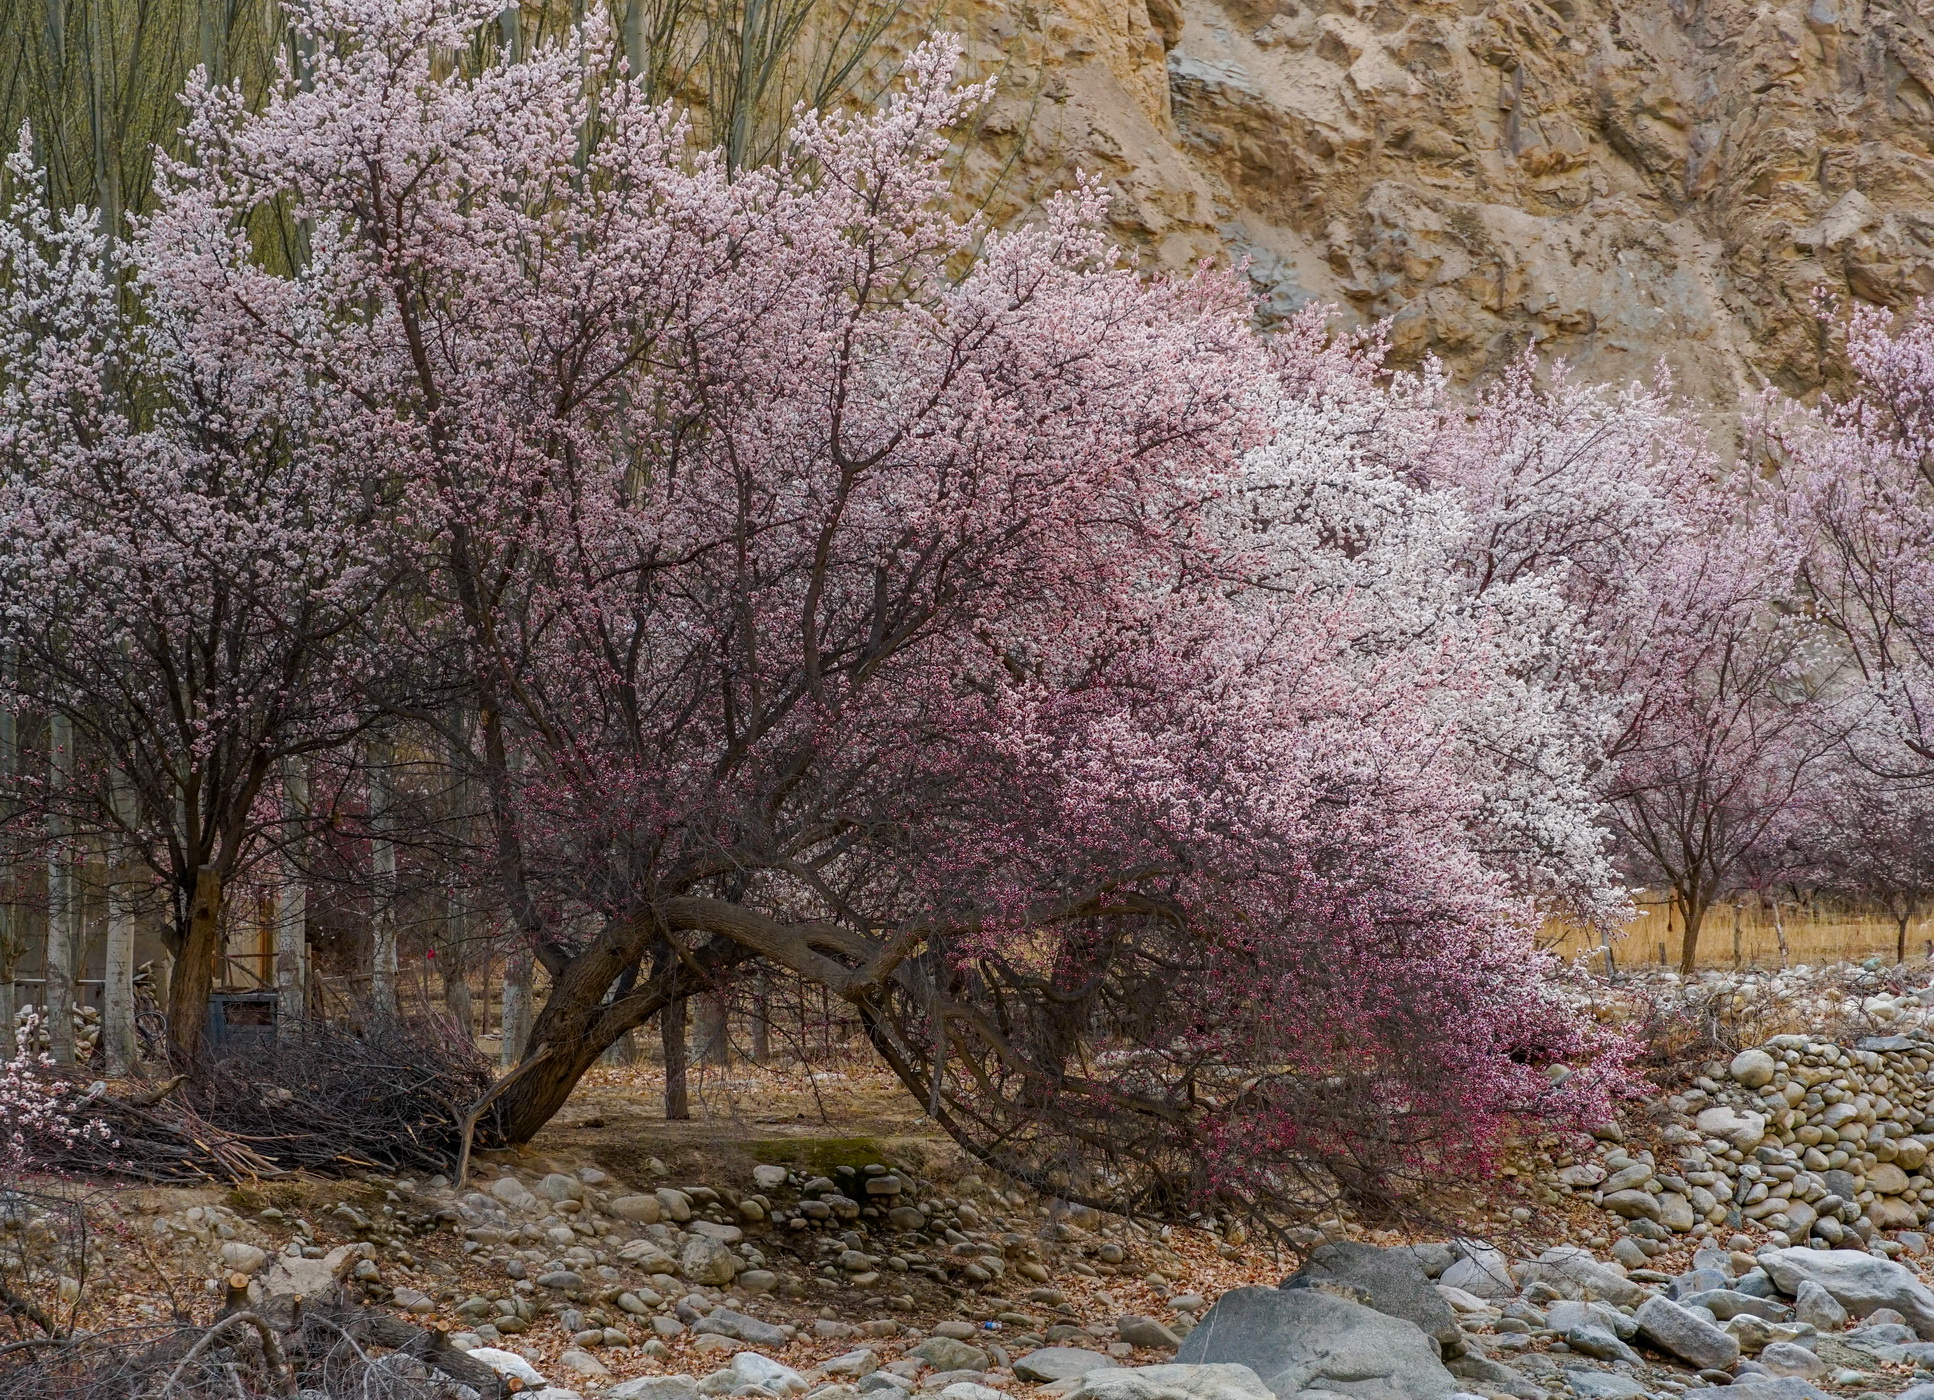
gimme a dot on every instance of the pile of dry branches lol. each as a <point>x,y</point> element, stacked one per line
<point>388,1095</point>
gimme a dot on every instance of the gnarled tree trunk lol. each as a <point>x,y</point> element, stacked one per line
<point>193,976</point>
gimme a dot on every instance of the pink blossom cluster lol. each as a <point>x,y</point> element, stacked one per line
<point>886,591</point>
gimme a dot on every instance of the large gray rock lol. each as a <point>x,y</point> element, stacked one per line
<point>1221,1381</point>
<point>1433,1258</point>
<point>1567,1313</point>
<point>654,1388</point>
<point>1633,1205</point>
<point>951,1354</point>
<point>1146,1332</point>
<point>1679,1333</point>
<point>1742,1128</point>
<point>707,1261</point>
<point>1753,1068</point>
<point>1300,1339</point>
<point>1601,1342</point>
<point>290,1277</point>
<point>1483,1272</point>
<point>1792,1359</point>
<point>1724,1303</point>
<point>1392,1281</point>
<point>1762,1388</point>
<point>1059,1363</point>
<point>727,1323</point>
<point>1574,1273</point>
<point>1858,1282</point>
<point>1605,1385</point>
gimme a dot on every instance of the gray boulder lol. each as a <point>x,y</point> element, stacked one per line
<point>707,1261</point>
<point>1174,1382</point>
<point>1723,1303</point>
<point>1483,1272</point>
<point>1762,1388</point>
<point>1058,1363</point>
<point>1815,1306</point>
<point>1433,1258</point>
<point>727,1323</point>
<point>1858,1282</point>
<point>1602,1343</point>
<point>1573,1272</point>
<point>1679,1333</point>
<point>1792,1359</point>
<point>1605,1385</point>
<point>1146,1332</point>
<point>951,1354</point>
<point>1392,1281</point>
<point>290,1276</point>
<point>1301,1339</point>
<point>1473,1367</point>
<point>1567,1313</point>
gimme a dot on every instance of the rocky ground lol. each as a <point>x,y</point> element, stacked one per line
<point>1756,1223</point>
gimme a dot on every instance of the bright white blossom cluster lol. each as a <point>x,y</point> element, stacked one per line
<point>42,1113</point>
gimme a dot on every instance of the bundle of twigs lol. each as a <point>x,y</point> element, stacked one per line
<point>389,1095</point>
<point>281,1349</point>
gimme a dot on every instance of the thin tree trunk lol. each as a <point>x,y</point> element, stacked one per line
<point>454,964</point>
<point>193,975</point>
<point>1739,950</point>
<point>516,1021</point>
<point>63,903</point>
<point>117,995</point>
<point>292,911</point>
<point>1693,916</point>
<point>714,1030</point>
<point>1900,938</point>
<point>671,1030</point>
<point>1779,933</point>
<point>382,862</point>
<point>761,1021</point>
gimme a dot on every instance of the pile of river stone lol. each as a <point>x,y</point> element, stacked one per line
<point>878,1230</point>
<point>1810,1141</point>
<point>1430,1322</point>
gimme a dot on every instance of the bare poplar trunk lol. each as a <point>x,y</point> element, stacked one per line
<point>1779,933</point>
<point>382,862</point>
<point>714,1030</point>
<point>1739,950</point>
<point>117,995</point>
<point>516,1022</point>
<point>292,912</point>
<point>671,1030</point>
<point>63,905</point>
<point>454,963</point>
<point>193,975</point>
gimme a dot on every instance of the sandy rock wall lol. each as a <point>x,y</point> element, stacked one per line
<point>1621,183</point>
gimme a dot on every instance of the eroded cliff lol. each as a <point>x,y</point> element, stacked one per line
<point>1619,183</point>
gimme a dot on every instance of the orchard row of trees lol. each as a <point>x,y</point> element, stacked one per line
<point>1164,738</point>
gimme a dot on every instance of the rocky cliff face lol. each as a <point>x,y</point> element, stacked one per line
<point>1618,183</point>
